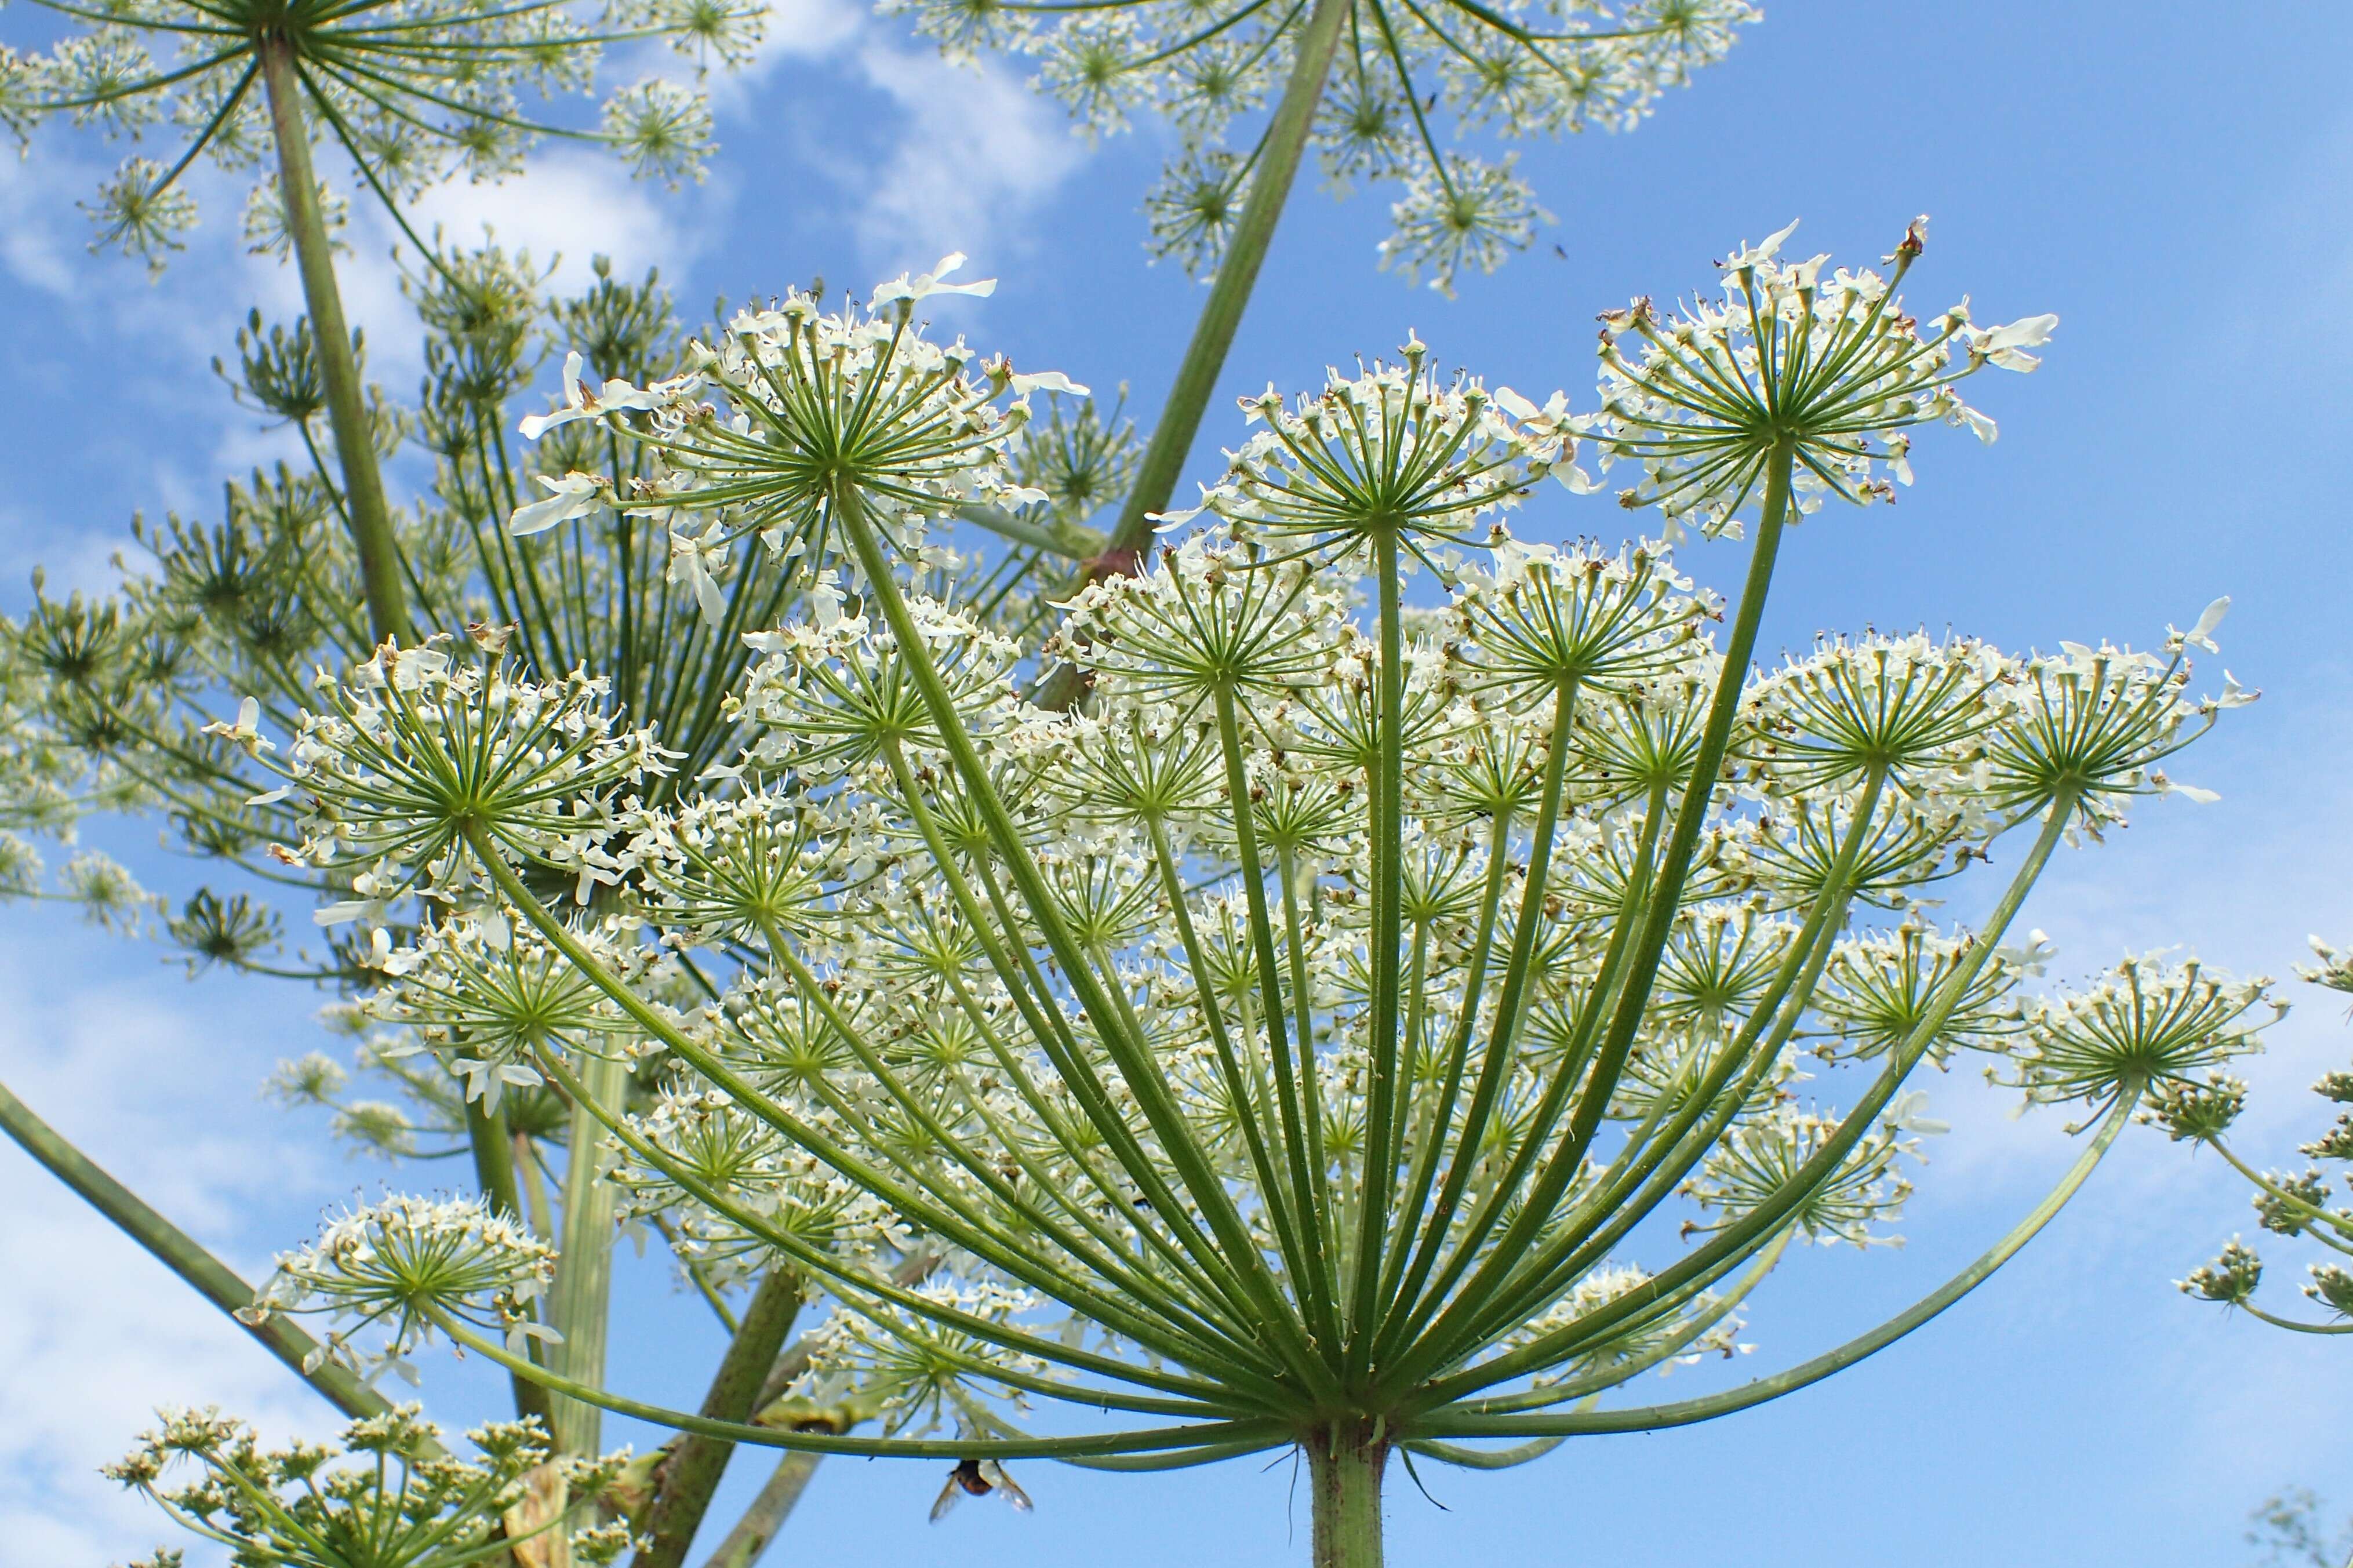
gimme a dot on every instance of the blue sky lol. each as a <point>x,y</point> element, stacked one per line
<point>2174,181</point>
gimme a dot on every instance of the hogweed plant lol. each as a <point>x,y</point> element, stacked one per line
<point>1361,1026</point>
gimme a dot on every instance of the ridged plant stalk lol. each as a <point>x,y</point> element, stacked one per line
<point>1344,1467</point>
<point>581,1301</point>
<point>690,1473</point>
<point>1274,170</point>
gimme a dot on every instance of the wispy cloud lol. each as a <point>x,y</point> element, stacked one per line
<point>94,1334</point>
<point>978,154</point>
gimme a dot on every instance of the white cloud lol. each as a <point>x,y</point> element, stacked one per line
<point>94,1333</point>
<point>978,154</point>
<point>33,247</point>
<point>572,205</point>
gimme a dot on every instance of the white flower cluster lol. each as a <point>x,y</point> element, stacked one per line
<point>408,1267</point>
<point>890,1077</point>
<point>1392,450</point>
<point>2148,1024</point>
<point>815,404</point>
<point>1337,994</point>
<point>1829,370</point>
<point>424,758</point>
<point>487,999</point>
<point>409,92</point>
<point>1513,70</point>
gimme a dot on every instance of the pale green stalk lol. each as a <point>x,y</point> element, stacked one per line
<point>1275,168</point>
<point>1345,1467</point>
<point>1258,1431</point>
<point>580,1301</point>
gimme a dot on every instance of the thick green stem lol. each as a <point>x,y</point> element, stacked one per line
<point>581,1299</point>
<point>1221,315</point>
<point>1345,1464</point>
<point>687,1478</point>
<point>1213,334</point>
<point>212,1278</point>
<point>364,508</point>
<point>751,1534</point>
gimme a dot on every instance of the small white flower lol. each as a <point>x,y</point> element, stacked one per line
<point>244,732</point>
<point>924,284</point>
<point>2203,634</point>
<point>582,402</point>
<point>573,495</point>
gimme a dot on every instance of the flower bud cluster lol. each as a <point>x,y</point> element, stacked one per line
<point>386,1494</point>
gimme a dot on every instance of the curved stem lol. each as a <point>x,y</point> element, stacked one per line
<point>1649,1419</point>
<point>2292,1325</point>
<point>298,188</point>
<point>1667,899</point>
<point>1263,1432</point>
<point>1750,1231</point>
<point>2279,1194</point>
